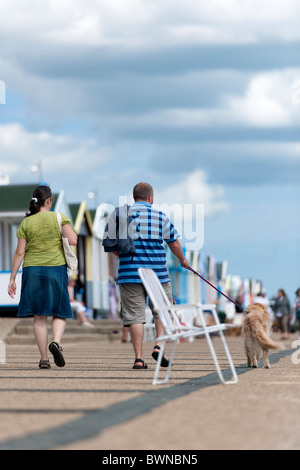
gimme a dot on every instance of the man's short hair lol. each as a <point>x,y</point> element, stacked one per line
<point>142,191</point>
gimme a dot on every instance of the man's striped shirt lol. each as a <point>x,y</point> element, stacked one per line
<point>150,229</point>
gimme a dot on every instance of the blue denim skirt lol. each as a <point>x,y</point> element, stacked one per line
<point>44,291</point>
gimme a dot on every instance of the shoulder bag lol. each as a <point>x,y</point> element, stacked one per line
<point>70,256</point>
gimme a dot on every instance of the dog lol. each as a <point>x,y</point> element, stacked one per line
<point>256,326</point>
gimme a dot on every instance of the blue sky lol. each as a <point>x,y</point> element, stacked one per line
<point>198,98</point>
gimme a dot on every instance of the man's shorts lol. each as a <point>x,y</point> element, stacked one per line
<point>134,302</point>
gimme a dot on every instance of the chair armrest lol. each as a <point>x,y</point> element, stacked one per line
<point>207,306</point>
<point>178,307</point>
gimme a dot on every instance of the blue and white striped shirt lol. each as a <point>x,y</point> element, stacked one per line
<point>150,229</point>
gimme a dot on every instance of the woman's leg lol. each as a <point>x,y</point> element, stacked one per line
<point>40,328</point>
<point>58,328</point>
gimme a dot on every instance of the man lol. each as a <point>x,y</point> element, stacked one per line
<point>150,229</point>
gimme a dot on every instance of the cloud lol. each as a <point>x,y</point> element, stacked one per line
<point>148,23</point>
<point>61,156</point>
<point>232,163</point>
<point>194,189</point>
<point>268,100</point>
<point>265,101</point>
<point>182,86</point>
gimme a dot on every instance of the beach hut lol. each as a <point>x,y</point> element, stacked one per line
<point>14,201</point>
<point>83,226</point>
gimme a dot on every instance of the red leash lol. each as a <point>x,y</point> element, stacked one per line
<point>197,274</point>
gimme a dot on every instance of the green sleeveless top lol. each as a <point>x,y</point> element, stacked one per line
<point>42,233</point>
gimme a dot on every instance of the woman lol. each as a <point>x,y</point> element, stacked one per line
<point>77,307</point>
<point>282,313</point>
<point>44,289</point>
<point>297,311</point>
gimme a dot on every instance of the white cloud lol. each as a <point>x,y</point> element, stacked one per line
<point>267,100</point>
<point>194,189</point>
<point>188,203</point>
<point>140,23</point>
<point>61,156</point>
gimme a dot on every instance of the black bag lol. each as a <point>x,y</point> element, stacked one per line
<point>118,234</point>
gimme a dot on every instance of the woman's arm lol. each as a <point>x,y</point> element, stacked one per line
<point>69,233</point>
<point>17,261</point>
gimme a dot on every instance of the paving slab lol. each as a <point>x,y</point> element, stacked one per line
<point>97,402</point>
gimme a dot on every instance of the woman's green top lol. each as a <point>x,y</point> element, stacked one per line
<point>42,233</point>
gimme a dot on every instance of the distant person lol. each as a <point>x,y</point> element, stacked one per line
<point>283,312</point>
<point>239,300</point>
<point>78,307</point>
<point>261,298</point>
<point>150,253</point>
<point>230,310</point>
<point>297,311</point>
<point>44,289</point>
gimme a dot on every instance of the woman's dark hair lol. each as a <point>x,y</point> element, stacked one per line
<point>39,196</point>
<point>282,292</point>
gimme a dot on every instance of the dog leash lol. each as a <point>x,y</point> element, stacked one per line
<point>228,298</point>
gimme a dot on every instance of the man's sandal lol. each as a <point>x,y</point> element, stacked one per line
<point>164,361</point>
<point>56,350</point>
<point>144,366</point>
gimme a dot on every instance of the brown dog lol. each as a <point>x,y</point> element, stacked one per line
<point>256,326</point>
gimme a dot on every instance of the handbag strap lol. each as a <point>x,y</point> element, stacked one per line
<point>58,216</point>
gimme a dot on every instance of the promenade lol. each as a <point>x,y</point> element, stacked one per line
<point>97,402</point>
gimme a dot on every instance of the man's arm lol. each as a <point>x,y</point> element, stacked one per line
<point>176,249</point>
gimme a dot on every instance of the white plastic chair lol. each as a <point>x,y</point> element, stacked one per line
<point>174,331</point>
<point>149,326</point>
<point>209,313</point>
<point>187,318</point>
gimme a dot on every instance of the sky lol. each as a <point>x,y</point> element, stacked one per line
<point>200,99</point>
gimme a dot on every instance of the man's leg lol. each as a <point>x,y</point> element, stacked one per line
<point>133,301</point>
<point>137,335</point>
<point>158,324</point>
<point>159,330</point>
<point>159,327</point>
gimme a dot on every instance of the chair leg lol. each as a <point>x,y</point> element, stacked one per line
<point>231,365</point>
<point>227,352</point>
<point>157,369</point>
<point>213,353</point>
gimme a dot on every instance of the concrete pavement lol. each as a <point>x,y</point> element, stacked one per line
<point>97,402</point>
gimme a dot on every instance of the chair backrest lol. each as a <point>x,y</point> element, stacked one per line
<point>159,300</point>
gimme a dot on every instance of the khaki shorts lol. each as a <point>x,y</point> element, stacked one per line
<point>134,302</point>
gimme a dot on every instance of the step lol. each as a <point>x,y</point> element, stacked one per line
<point>104,330</point>
<point>67,339</point>
<point>82,330</point>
